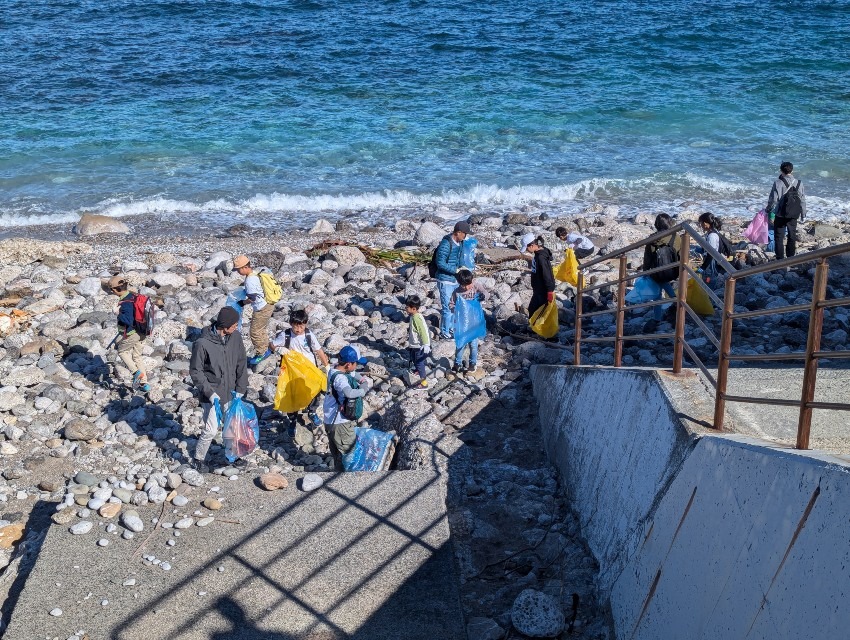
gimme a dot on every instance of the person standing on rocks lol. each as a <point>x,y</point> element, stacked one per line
<point>299,338</point>
<point>448,256</point>
<point>263,309</point>
<point>786,204</point>
<point>128,340</point>
<point>218,368</point>
<point>343,405</point>
<point>418,339</point>
<point>469,289</point>
<point>542,276</point>
<point>664,251</point>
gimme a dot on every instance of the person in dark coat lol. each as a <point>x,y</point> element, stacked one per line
<point>218,367</point>
<point>542,276</point>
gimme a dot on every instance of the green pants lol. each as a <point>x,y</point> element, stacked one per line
<point>341,439</point>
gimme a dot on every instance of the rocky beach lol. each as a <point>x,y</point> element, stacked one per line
<point>75,436</point>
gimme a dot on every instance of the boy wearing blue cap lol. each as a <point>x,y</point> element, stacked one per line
<point>343,404</point>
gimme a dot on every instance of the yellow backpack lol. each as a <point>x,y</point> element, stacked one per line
<point>271,289</point>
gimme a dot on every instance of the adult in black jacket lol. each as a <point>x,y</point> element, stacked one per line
<point>542,277</point>
<point>218,368</point>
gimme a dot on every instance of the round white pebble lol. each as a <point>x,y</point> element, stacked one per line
<point>171,542</point>
<point>104,602</point>
<point>103,542</point>
<point>165,566</point>
<point>56,612</point>
<point>221,569</point>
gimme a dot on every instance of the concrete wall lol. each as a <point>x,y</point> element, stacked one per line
<point>614,437</point>
<point>743,539</point>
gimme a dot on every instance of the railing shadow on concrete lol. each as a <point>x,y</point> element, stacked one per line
<point>722,343</point>
<point>324,626</point>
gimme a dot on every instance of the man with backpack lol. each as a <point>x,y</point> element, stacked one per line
<point>663,252</point>
<point>135,321</point>
<point>343,405</point>
<point>785,205</point>
<point>263,293</point>
<point>445,264</point>
<point>218,369</point>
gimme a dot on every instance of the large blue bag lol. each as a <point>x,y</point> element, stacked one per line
<point>373,450</point>
<point>233,300</point>
<point>646,290</point>
<point>241,430</point>
<point>469,321</point>
<point>467,255</point>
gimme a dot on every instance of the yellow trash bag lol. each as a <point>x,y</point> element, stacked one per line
<point>544,322</point>
<point>568,270</point>
<point>698,299</point>
<point>298,383</point>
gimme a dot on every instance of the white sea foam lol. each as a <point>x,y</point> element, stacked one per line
<point>660,193</point>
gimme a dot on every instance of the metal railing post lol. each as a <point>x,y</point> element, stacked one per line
<point>577,345</point>
<point>810,372</point>
<point>723,355</point>
<point>681,296</point>
<point>621,314</point>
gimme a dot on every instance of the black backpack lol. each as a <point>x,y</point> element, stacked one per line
<point>791,205</point>
<point>664,255</point>
<point>726,248</point>
<point>432,266</point>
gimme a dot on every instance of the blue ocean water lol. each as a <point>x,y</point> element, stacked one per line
<point>270,112</point>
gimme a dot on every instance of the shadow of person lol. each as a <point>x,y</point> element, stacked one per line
<point>241,627</point>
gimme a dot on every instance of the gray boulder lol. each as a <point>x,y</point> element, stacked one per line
<point>537,614</point>
<point>346,256</point>
<point>90,287</point>
<point>91,224</point>
<point>428,234</point>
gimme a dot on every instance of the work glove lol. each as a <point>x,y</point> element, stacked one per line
<point>426,349</point>
<point>550,296</point>
<point>239,395</point>
<point>214,398</point>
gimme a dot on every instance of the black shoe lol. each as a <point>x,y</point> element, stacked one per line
<point>240,463</point>
<point>199,466</point>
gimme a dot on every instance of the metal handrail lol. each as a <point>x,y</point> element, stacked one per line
<point>722,343</point>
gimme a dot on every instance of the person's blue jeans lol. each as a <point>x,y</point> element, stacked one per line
<point>658,312</point>
<point>473,353</point>
<point>446,289</point>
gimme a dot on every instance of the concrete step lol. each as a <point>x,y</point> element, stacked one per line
<point>365,556</point>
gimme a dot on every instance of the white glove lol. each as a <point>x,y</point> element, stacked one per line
<point>214,397</point>
<point>282,350</point>
<point>366,382</point>
<point>240,395</point>
<point>426,349</point>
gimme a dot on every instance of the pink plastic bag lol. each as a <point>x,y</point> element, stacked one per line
<point>756,232</point>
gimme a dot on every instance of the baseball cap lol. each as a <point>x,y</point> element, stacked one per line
<point>350,354</point>
<point>463,227</point>
<point>526,240</point>
<point>227,317</point>
<point>240,261</point>
<point>117,281</point>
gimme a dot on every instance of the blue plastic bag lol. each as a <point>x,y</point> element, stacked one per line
<point>646,290</point>
<point>469,320</point>
<point>373,450</point>
<point>467,255</point>
<point>233,300</point>
<point>241,430</point>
